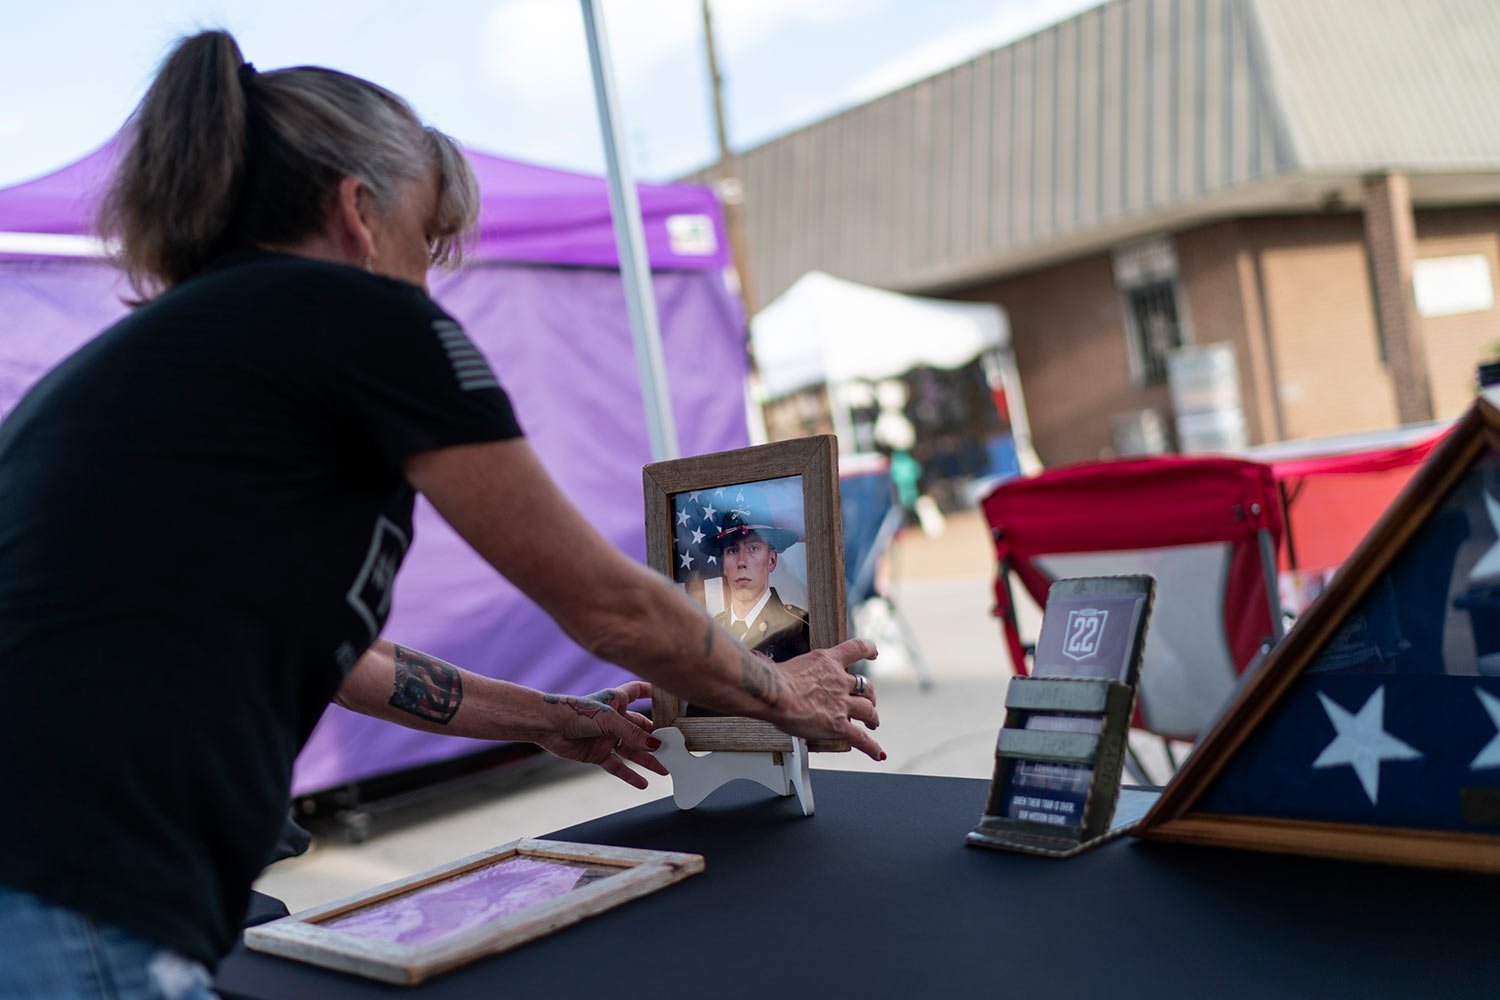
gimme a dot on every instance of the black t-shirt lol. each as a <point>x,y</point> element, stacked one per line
<point>201,515</point>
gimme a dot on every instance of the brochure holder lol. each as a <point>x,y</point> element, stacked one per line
<point>1059,757</point>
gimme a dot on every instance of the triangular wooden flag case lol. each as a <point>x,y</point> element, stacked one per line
<point>1372,731</point>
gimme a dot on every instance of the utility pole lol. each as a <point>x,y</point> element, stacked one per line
<point>731,193</point>
<point>727,184</point>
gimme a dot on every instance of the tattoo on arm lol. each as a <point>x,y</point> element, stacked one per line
<point>588,707</point>
<point>426,686</point>
<point>761,680</point>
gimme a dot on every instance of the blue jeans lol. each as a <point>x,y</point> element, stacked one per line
<point>48,952</point>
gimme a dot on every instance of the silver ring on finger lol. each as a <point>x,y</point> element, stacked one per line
<point>860,684</point>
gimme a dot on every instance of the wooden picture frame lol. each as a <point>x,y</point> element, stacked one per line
<point>813,460</point>
<point>1188,810</point>
<point>329,936</point>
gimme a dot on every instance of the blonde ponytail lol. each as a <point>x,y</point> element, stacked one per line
<point>179,182</point>
<point>221,158</point>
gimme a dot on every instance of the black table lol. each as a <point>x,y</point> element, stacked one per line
<point>877,896</point>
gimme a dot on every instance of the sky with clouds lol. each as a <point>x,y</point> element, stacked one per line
<point>508,76</point>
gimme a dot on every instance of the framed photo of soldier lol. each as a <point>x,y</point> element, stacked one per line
<point>755,537</point>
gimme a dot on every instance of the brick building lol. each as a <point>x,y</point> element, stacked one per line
<point>1314,183</point>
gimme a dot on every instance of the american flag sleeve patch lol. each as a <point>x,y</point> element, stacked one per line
<point>469,366</point>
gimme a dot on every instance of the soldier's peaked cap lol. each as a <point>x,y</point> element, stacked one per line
<point>749,514</point>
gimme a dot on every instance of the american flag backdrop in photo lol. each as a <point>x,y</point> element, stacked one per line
<point>698,515</point>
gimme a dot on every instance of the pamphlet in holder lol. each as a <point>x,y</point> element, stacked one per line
<point>1059,757</point>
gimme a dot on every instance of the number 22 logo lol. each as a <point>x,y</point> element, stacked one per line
<point>1085,629</point>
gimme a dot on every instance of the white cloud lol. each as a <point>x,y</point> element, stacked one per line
<point>533,44</point>
<point>741,24</point>
<point>538,45</point>
<point>1010,22</point>
<point>535,54</point>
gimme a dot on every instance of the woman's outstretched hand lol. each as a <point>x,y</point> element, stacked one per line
<point>819,699</point>
<point>601,729</point>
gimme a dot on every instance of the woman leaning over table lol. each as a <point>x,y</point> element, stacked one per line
<point>206,506</point>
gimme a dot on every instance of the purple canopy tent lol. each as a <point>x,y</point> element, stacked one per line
<point>541,295</point>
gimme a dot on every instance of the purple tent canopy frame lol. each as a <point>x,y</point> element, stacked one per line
<point>528,214</point>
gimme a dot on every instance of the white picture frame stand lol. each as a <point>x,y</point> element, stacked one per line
<point>696,776</point>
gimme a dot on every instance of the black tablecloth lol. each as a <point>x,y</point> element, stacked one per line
<point>877,896</point>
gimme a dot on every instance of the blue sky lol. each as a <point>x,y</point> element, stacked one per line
<point>507,76</point>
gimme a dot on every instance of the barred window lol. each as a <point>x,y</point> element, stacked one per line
<point>1146,275</point>
<point>1154,328</point>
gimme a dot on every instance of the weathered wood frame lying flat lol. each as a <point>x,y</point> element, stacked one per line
<point>815,459</point>
<point>301,936</point>
<point>1174,816</point>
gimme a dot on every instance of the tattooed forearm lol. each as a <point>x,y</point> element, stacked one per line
<point>760,679</point>
<point>426,686</point>
<point>708,636</point>
<point>588,707</point>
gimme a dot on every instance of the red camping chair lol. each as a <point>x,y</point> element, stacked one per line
<point>1330,500</point>
<point>1207,528</point>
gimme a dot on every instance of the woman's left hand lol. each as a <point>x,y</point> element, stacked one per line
<point>601,729</point>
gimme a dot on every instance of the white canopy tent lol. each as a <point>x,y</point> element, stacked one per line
<point>827,330</point>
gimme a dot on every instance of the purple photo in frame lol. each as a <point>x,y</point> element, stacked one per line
<point>466,901</point>
<point>415,928</point>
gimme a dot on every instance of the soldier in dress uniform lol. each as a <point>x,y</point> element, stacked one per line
<point>748,545</point>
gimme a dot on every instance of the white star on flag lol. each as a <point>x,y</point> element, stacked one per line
<point>1362,741</point>
<point>692,531</point>
<point>693,496</point>
<point>1490,755</point>
<point>713,560</point>
<point>719,492</point>
<point>1489,563</point>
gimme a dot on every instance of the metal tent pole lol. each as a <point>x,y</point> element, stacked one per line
<point>635,266</point>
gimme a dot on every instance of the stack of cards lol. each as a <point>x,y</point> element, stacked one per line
<point>1058,759</point>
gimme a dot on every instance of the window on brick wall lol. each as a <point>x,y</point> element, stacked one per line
<point>1153,328</point>
<point>1146,275</point>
